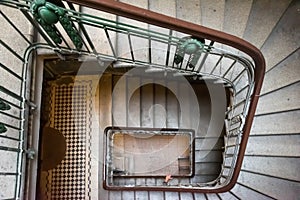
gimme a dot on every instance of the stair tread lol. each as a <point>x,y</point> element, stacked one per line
<point>287,188</point>
<point>283,74</point>
<point>116,195</point>
<point>99,37</point>
<point>281,100</point>
<point>199,196</point>
<point>127,194</point>
<point>273,166</point>
<point>245,193</point>
<point>286,145</point>
<point>281,36</point>
<point>183,11</point>
<point>186,196</point>
<point>141,194</point>
<point>213,8</point>
<point>171,195</point>
<point>236,16</point>
<point>264,18</point>
<point>269,124</point>
<point>212,196</point>
<point>228,195</point>
<point>156,195</point>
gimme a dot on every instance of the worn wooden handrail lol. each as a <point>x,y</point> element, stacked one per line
<point>161,20</point>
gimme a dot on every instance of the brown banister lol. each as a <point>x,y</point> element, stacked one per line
<point>150,17</point>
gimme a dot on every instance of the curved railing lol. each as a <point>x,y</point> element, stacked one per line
<point>164,43</point>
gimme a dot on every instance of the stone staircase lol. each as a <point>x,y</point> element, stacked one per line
<point>270,165</point>
<point>271,162</point>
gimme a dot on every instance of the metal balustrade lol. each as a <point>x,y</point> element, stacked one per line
<point>176,47</point>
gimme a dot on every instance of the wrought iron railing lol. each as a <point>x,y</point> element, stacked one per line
<point>163,44</point>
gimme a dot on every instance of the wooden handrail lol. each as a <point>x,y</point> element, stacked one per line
<point>199,31</point>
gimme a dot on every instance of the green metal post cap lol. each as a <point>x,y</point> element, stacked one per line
<point>3,129</point>
<point>47,15</point>
<point>4,106</point>
<point>191,46</point>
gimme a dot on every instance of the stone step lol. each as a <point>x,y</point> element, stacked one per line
<point>277,123</point>
<point>280,100</point>
<point>13,39</point>
<point>98,37</point>
<point>212,13</point>
<point>143,195</point>
<point>199,196</point>
<point>276,188</point>
<point>228,195</point>
<point>284,38</point>
<point>156,195</point>
<point>116,195</point>
<point>186,196</point>
<point>167,7</point>
<point>212,196</point>
<point>171,195</point>
<point>273,166</point>
<point>282,145</point>
<point>245,193</point>
<point>128,194</point>
<point>183,11</point>
<point>236,16</point>
<point>140,46</point>
<point>283,74</point>
<point>263,18</point>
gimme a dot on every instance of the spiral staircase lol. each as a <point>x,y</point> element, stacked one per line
<point>270,166</point>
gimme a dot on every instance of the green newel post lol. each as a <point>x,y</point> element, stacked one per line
<point>48,14</point>
<point>189,46</point>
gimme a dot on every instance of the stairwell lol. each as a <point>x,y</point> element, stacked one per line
<point>270,167</point>
<point>271,162</point>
